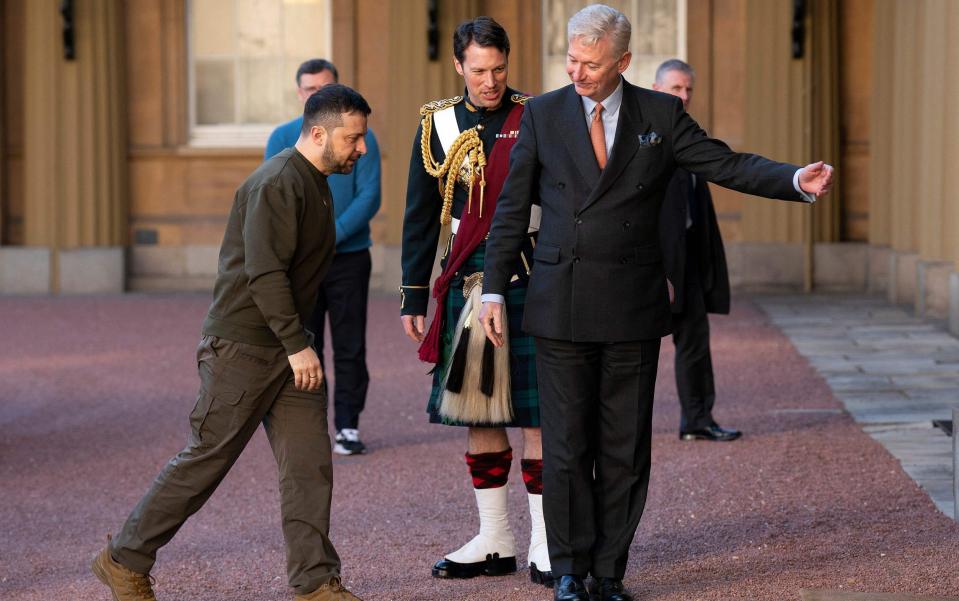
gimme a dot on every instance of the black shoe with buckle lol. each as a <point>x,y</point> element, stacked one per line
<point>493,565</point>
<point>713,432</point>
<point>570,587</point>
<point>538,577</point>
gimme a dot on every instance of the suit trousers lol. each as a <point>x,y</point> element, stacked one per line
<point>343,296</point>
<point>693,364</point>
<point>596,407</point>
<point>243,385</point>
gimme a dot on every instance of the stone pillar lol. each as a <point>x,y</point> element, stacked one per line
<point>950,125</point>
<point>903,137</point>
<point>777,105</point>
<point>75,147</point>
<point>793,109</point>
<point>928,122</point>
<point>43,57</point>
<point>824,49</point>
<point>880,118</point>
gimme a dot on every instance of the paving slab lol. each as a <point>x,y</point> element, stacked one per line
<point>901,374</point>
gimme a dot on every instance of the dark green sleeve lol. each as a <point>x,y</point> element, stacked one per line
<point>421,230</point>
<point>269,241</point>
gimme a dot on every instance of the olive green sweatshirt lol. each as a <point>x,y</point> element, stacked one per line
<point>277,247</point>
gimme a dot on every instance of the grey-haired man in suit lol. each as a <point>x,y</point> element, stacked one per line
<point>598,155</point>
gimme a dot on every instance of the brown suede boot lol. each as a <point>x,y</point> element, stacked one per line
<point>331,591</point>
<point>125,584</point>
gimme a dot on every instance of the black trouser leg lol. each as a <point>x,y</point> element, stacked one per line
<point>568,378</point>
<point>694,364</point>
<point>344,296</point>
<point>627,385</point>
<point>596,403</point>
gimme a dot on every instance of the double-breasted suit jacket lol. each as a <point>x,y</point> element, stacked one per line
<point>598,271</point>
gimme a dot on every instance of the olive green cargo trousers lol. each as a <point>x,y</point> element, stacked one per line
<point>241,386</point>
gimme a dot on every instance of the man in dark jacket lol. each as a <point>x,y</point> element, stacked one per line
<point>696,265</point>
<point>257,364</point>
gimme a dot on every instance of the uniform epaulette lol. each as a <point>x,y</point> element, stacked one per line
<point>520,98</point>
<point>438,105</point>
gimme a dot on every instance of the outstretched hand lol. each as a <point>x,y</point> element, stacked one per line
<point>816,178</point>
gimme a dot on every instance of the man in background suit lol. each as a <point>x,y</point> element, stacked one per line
<point>696,265</point>
<point>598,155</point>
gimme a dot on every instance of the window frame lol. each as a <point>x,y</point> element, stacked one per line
<point>235,135</point>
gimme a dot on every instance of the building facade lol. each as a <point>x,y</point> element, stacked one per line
<point>125,127</point>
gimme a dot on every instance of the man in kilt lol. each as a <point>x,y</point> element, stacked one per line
<point>459,164</point>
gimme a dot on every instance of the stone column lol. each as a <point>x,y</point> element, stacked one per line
<point>75,146</point>
<point>880,117</point>
<point>777,109</point>
<point>904,139</point>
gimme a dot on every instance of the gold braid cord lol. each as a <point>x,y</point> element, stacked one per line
<point>467,144</point>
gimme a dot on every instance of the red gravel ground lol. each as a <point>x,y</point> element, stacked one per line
<point>94,397</point>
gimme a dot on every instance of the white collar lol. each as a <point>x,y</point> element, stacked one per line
<point>611,103</point>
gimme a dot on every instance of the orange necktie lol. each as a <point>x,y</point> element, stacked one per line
<point>597,135</point>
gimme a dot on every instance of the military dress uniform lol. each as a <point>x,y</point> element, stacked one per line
<point>432,202</point>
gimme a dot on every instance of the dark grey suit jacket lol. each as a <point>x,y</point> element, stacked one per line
<point>598,272</point>
<point>702,244</point>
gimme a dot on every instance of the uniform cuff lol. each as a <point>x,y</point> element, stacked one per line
<point>414,300</point>
<point>493,298</point>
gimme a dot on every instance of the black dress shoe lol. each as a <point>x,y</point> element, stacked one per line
<point>538,577</point>
<point>610,589</point>
<point>570,587</point>
<point>713,432</point>
<point>494,565</point>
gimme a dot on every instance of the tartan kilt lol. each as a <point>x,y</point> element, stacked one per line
<point>522,360</point>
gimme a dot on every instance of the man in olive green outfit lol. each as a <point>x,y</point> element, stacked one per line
<point>257,364</point>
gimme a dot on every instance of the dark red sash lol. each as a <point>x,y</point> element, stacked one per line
<point>473,228</point>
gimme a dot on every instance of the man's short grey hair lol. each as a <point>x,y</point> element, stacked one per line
<point>673,64</point>
<point>597,21</point>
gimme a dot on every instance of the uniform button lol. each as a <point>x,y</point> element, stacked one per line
<point>575,259</point>
<point>579,222</point>
<point>625,225</point>
<point>639,186</point>
<point>623,260</point>
<point>561,185</point>
<point>480,127</point>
